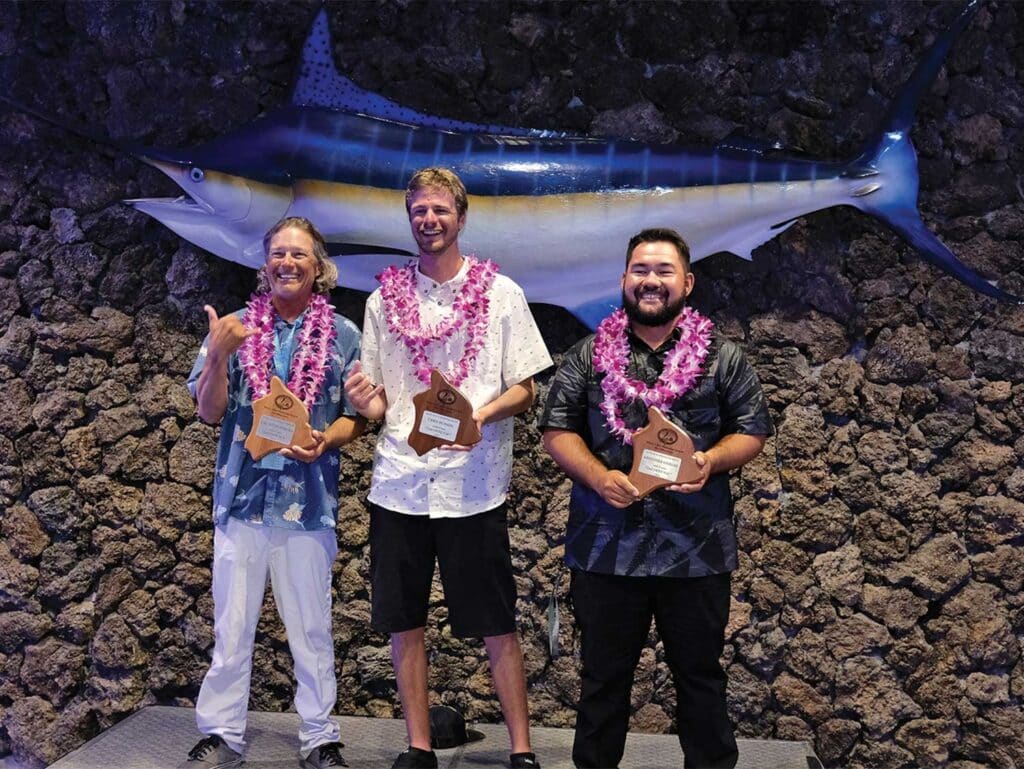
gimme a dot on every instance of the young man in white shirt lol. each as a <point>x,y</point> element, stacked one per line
<point>454,313</point>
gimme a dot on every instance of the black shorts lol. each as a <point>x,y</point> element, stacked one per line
<point>475,564</point>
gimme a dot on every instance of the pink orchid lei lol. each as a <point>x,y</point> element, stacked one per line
<point>682,367</point>
<point>312,349</point>
<point>469,312</point>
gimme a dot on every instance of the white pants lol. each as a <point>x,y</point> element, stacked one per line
<point>299,565</point>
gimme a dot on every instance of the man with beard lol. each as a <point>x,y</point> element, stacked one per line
<point>668,556</point>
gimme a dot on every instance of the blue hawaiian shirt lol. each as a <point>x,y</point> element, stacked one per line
<point>280,492</point>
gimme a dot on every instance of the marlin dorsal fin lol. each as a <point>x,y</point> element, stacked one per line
<point>319,84</point>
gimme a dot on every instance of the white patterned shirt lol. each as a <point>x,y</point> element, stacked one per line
<point>445,483</point>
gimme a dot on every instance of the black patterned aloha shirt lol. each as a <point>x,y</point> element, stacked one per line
<point>667,534</point>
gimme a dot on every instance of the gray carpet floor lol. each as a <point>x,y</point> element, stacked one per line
<point>160,737</point>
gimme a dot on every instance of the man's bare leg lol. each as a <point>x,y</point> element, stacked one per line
<point>509,676</point>
<point>409,658</point>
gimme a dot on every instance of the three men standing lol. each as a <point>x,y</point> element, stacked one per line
<point>275,516</point>
<point>454,313</point>
<point>668,556</point>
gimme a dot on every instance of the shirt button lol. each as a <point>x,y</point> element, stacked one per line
<point>431,479</point>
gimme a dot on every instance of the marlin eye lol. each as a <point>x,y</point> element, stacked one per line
<point>196,174</point>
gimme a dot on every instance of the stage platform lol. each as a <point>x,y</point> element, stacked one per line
<point>159,738</point>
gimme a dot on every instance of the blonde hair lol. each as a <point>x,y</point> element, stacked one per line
<point>327,277</point>
<point>442,178</point>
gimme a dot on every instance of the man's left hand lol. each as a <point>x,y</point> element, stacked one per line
<point>704,464</point>
<point>307,453</point>
<point>478,418</point>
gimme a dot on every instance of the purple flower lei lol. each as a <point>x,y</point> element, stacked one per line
<point>682,367</point>
<point>309,362</point>
<point>469,311</point>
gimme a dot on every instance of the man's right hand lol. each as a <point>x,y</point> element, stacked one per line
<point>615,489</point>
<point>226,334</point>
<point>365,397</point>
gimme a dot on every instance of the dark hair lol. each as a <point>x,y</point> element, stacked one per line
<point>328,277</point>
<point>660,235</point>
<point>443,178</point>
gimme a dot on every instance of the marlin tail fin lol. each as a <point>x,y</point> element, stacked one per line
<point>884,180</point>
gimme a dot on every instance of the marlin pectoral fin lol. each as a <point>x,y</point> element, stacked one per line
<point>350,249</point>
<point>359,270</point>
<point>743,240</point>
<point>860,172</point>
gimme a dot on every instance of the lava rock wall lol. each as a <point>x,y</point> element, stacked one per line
<point>877,607</point>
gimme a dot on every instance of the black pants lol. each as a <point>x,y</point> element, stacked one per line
<point>614,616</point>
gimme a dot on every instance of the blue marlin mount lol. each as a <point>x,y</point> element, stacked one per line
<point>341,156</point>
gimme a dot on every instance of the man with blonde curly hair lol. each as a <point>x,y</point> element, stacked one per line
<point>275,516</point>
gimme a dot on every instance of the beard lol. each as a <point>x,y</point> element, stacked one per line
<point>669,311</point>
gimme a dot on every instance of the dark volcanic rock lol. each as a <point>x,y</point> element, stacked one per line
<point>31,727</point>
<point>20,627</point>
<point>936,568</point>
<point>23,533</point>
<point>996,353</point>
<point>115,647</point>
<point>192,457</point>
<point>903,355</point>
<point>53,669</point>
<point>877,609</point>
<point>170,509</point>
<point>17,581</point>
<point>867,688</point>
<point>59,510</point>
<point>819,336</point>
<point>16,416</point>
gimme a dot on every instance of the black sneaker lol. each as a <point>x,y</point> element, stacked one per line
<point>326,755</point>
<point>523,761</point>
<point>414,758</point>
<point>211,753</point>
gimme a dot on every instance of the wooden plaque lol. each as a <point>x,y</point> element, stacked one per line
<point>443,416</point>
<point>279,420</point>
<point>662,455</point>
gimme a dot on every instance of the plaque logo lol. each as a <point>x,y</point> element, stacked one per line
<point>279,419</point>
<point>667,437</point>
<point>443,416</point>
<point>662,455</point>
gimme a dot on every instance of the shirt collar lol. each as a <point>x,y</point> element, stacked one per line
<point>636,341</point>
<point>426,283</point>
<point>280,322</point>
